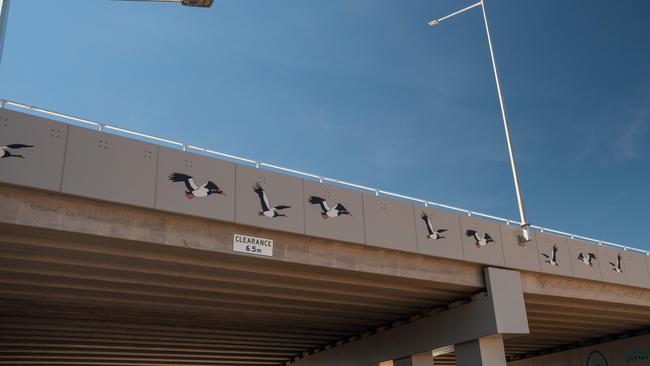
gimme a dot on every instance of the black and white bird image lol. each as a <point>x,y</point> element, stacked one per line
<point>194,190</point>
<point>551,259</point>
<point>8,153</point>
<point>617,266</point>
<point>326,210</point>
<point>267,209</point>
<point>481,241</point>
<point>587,259</point>
<point>433,234</point>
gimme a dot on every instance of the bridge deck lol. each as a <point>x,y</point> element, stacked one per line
<point>84,281</point>
<point>103,260</point>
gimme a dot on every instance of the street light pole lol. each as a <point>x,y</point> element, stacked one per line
<point>4,12</point>
<point>504,115</point>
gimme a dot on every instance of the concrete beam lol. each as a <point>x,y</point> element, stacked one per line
<point>501,311</point>
<point>35,209</point>
<point>26,210</point>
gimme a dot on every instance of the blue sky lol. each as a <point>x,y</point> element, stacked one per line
<point>363,90</point>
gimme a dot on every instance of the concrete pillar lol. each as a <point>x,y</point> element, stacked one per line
<point>486,351</point>
<point>422,359</point>
<point>499,311</point>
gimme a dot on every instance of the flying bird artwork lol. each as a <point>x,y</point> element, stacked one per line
<point>326,211</point>
<point>481,241</point>
<point>267,209</point>
<point>617,267</point>
<point>194,190</point>
<point>433,234</point>
<point>587,259</point>
<point>551,259</point>
<point>8,153</point>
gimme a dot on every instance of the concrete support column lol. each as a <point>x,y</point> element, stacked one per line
<point>486,351</point>
<point>499,311</point>
<point>422,359</point>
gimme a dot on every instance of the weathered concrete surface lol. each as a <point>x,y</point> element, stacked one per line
<point>481,352</point>
<point>39,209</point>
<point>75,267</point>
<point>30,208</point>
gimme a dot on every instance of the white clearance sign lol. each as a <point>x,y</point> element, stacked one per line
<point>252,245</point>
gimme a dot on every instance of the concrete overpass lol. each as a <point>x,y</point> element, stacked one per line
<point>104,261</point>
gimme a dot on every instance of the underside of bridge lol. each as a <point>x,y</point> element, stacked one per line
<point>95,283</point>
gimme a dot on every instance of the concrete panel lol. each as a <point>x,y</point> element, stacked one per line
<point>214,201</point>
<point>389,223</point>
<point>486,351</point>
<point>563,261</point>
<point>422,359</point>
<point>446,244</point>
<point>490,253</point>
<point>41,165</point>
<point>524,362</point>
<point>609,261</point>
<point>605,354</point>
<point>574,357</point>
<point>346,227</point>
<point>585,268</point>
<point>281,190</point>
<point>536,361</point>
<point>636,351</point>
<point>110,167</point>
<point>557,359</point>
<point>637,270</point>
<point>505,292</point>
<point>516,254</point>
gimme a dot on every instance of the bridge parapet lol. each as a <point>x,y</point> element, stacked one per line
<point>97,164</point>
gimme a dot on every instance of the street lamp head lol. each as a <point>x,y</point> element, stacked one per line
<point>192,3</point>
<point>434,22</point>
<point>198,3</point>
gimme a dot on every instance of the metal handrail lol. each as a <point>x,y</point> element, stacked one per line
<point>378,192</point>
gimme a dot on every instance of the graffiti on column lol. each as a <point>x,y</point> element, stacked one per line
<point>597,358</point>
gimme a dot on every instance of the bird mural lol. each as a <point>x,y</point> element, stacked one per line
<point>551,259</point>
<point>432,233</point>
<point>617,267</point>
<point>8,153</point>
<point>481,241</point>
<point>587,259</point>
<point>267,209</point>
<point>194,190</point>
<point>326,211</point>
